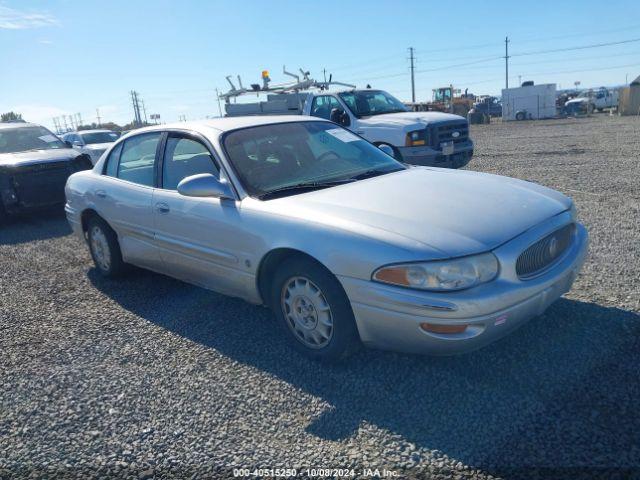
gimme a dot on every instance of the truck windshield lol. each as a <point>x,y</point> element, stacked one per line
<point>364,103</point>
<point>22,139</point>
<point>288,158</point>
<point>99,137</point>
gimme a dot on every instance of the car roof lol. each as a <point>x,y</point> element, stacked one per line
<point>5,125</point>
<point>226,124</point>
<point>95,130</point>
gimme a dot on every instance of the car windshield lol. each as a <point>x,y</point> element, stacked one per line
<point>277,159</point>
<point>22,139</point>
<point>364,103</point>
<point>99,137</point>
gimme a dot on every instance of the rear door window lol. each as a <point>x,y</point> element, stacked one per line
<point>112,161</point>
<point>138,157</point>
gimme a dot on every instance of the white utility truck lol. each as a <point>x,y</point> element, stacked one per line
<point>602,98</point>
<point>418,138</point>
<point>529,102</point>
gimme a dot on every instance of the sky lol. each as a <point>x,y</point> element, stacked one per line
<point>62,57</point>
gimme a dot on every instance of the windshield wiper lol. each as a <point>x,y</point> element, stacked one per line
<point>303,186</point>
<point>374,172</point>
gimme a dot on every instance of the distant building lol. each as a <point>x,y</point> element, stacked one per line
<point>629,103</point>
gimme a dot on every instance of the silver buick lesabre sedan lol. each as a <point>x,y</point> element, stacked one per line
<point>341,241</point>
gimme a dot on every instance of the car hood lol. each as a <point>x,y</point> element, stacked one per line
<point>409,119</point>
<point>32,157</point>
<point>98,146</point>
<point>452,211</point>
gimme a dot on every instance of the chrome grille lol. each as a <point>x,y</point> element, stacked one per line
<point>456,131</point>
<point>545,252</point>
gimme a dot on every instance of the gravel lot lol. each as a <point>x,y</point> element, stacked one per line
<point>153,377</point>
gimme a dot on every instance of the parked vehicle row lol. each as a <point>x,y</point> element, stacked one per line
<point>344,243</point>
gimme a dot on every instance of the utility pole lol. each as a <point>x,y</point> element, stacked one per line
<point>144,109</point>
<point>324,72</point>
<point>519,80</point>
<point>413,80</point>
<point>98,117</point>
<point>219,107</point>
<point>136,108</point>
<point>506,62</point>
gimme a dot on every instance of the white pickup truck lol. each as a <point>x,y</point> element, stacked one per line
<point>604,98</point>
<point>418,138</point>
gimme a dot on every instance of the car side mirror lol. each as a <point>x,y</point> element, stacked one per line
<point>68,143</point>
<point>204,185</point>
<point>387,149</point>
<point>340,117</point>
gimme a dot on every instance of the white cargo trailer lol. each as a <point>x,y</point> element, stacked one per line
<point>531,102</point>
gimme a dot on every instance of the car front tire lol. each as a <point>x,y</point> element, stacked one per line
<point>313,310</point>
<point>104,248</point>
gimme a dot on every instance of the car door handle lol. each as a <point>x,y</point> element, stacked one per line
<point>101,193</point>
<point>162,207</point>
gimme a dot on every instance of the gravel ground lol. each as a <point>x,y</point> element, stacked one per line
<point>153,377</point>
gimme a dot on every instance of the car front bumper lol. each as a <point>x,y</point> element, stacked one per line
<point>34,186</point>
<point>389,317</point>
<point>432,157</point>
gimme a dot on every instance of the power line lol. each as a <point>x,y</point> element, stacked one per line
<point>506,57</point>
<point>590,33</point>
<point>350,65</point>
<point>581,47</point>
<point>576,59</point>
<point>585,70</point>
<point>447,67</point>
<point>470,47</point>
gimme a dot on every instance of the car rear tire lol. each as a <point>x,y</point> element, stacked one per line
<point>520,116</point>
<point>104,248</point>
<point>313,310</point>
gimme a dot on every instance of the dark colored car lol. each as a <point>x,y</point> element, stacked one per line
<point>34,167</point>
<point>491,106</point>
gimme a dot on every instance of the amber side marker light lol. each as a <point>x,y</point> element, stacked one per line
<point>437,328</point>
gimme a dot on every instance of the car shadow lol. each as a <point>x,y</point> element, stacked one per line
<point>559,392</point>
<point>29,227</point>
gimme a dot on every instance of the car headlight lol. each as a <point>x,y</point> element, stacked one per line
<point>416,138</point>
<point>441,275</point>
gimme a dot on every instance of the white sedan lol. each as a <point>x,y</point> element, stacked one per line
<point>345,244</point>
<point>91,142</point>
